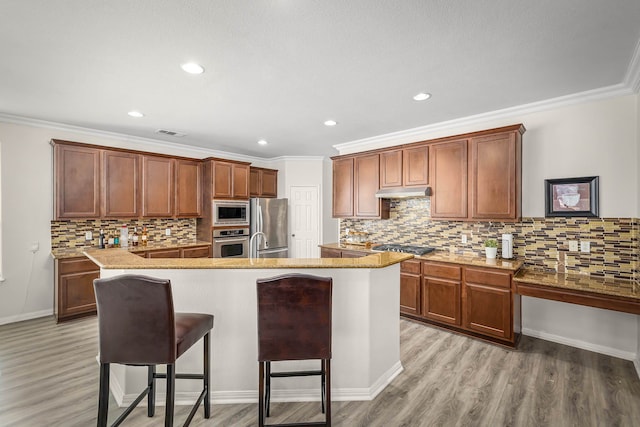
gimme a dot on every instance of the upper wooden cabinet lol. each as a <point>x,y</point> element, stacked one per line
<point>102,182</point>
<point>263,182</point>
<point>355,182</point>
<point>188,185</point>
<point>448,164</point>
<point>120,184</point>
<point>343,187</point>
<point>494,176</point>
<point>229,180</point>
<point>407,167</point>
<point>77,182</point>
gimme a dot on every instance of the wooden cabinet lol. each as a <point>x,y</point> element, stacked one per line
<point>188,188</point>
<point>229,180</point>
<point>164,253</point>
<point>330,253</point>
<point>120,184</point>
<point>341,253</point>
<point>197,252</point>
<point>157,187</point>
<point>410,287</point>
<point>73,292</point>
<point>77,182</point>
<point>366,184</point>
<point>494,176</point>
<point>352,254</point>
<point>441,293</point>
<point>415,166</point>
<point>263,182</point>
<point>487,302</point>
<point>391,169</point>
<point>448,166</point>
<point>343,187</point>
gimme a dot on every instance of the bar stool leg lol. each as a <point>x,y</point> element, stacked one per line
<point>267,398</point>
<point>327,389</point>
<point>171,383</point>
<point>103,396</point>
<point>323,380</point>
<point>151,397</point>
<point>261,401</point>
<point>207,394</point>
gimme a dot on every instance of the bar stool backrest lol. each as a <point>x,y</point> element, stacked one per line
<point>294,317</point>
<point>136,320</point>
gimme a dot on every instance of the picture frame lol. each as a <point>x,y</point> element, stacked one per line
<point>571,197</point>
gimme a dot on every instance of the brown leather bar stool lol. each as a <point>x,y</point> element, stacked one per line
<point>294,323</point>
<point>138,326</point>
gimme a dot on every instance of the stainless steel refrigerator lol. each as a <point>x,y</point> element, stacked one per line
<point>269,222</point>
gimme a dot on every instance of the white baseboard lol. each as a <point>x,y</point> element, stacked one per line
<point>25,316</point>
<point>626,355</point>
<point>636,363</point>
<point>251,396</point>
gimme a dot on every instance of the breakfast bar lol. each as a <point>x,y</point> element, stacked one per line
<point>366,337</point>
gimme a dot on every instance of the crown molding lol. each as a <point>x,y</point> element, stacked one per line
<point>632,78</point>
<point>429,131</point>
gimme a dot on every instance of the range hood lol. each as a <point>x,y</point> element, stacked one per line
<point>403,192</point>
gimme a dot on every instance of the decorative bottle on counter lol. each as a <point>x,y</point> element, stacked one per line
<point>124,236</point>
<point>101,239</point>
<point>135,236</point>
<point>144,237</point>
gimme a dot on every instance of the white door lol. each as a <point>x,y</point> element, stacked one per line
<point>305,224</point>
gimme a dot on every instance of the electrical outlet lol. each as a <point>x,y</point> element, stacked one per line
<point>585,246</point>
<point>573,246</point>
<point>167,232</point>
<point>35,247</point>
<point>88,235</point>
<point>464,239</point>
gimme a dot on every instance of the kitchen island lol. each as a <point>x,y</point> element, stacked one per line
<point>366,336</point>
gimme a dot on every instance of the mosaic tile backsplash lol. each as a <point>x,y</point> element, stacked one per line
<point>541,242</point>
<point>71,234</point>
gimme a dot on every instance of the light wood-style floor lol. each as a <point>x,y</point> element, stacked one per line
<point>49,377</point>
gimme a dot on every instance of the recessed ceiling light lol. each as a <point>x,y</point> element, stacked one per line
<point>136,114</point>
<point>192,68</point>
<point>422,96</point>
<point>330,123</point>
<point>262,142</point>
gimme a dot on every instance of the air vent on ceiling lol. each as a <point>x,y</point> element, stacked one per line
<point>171,133</point>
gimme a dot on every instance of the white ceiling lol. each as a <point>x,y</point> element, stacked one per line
<point>277,69</point>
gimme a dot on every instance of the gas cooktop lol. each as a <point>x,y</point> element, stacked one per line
<point>393,247</point>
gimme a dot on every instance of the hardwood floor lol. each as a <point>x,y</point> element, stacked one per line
<point>49,377</point>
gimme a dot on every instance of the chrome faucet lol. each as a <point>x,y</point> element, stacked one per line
<point>251,243</point>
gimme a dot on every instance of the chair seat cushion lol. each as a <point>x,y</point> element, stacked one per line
<point>190,327</point>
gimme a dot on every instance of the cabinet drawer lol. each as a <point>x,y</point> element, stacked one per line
<point>165,253</point>
<point>488,277</point>
<point>410,266</point>
<point>76,265</point>
<point>199,252</point>
<point>443,271</point>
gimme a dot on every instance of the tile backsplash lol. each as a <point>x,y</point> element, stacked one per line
<point>541,242</point>
<point>71,234</point>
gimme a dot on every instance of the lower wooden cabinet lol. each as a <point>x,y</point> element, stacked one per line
<point>73,294</point>
<point>164,253</point>
<point>341,253</point>
<point>410,286</point>
<point>197,252</point>
<point>478,301</point>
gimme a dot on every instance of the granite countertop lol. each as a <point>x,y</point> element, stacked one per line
<point>580,282</point>
<point>443,256</point>
<point>151,246</point>
<point>122,259</point>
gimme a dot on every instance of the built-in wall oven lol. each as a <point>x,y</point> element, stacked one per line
<point>230,213</point>
<point>231,243</point>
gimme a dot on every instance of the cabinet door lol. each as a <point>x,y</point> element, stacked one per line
<point>76,295</point>
<point>77,186</point>
<point>487,310</point>
<point>121,181</point>
<point>165,253</point>
<point>409,293</point>
<point>353,254</point>
<point>269,183</point>
<point>495,174</point>
<point>157,186</point>
<point>343,187</point>
<point>366,184</point>
<point>197,252</point>
<point>415,166</point>
<point>330,253</point>
<point>188,188</point>
<point>222,180</point>
<point>255,187</point>
<point>448,166</point>
<point>240,174</point>
<point>441,300</point>
<point>391,169</point>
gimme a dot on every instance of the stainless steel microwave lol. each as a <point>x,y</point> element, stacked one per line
<point>230,212</point>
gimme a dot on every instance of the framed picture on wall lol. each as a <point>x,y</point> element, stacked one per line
<point>571,196</point>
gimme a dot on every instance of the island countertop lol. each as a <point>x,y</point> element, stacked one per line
<point>123,259</point>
